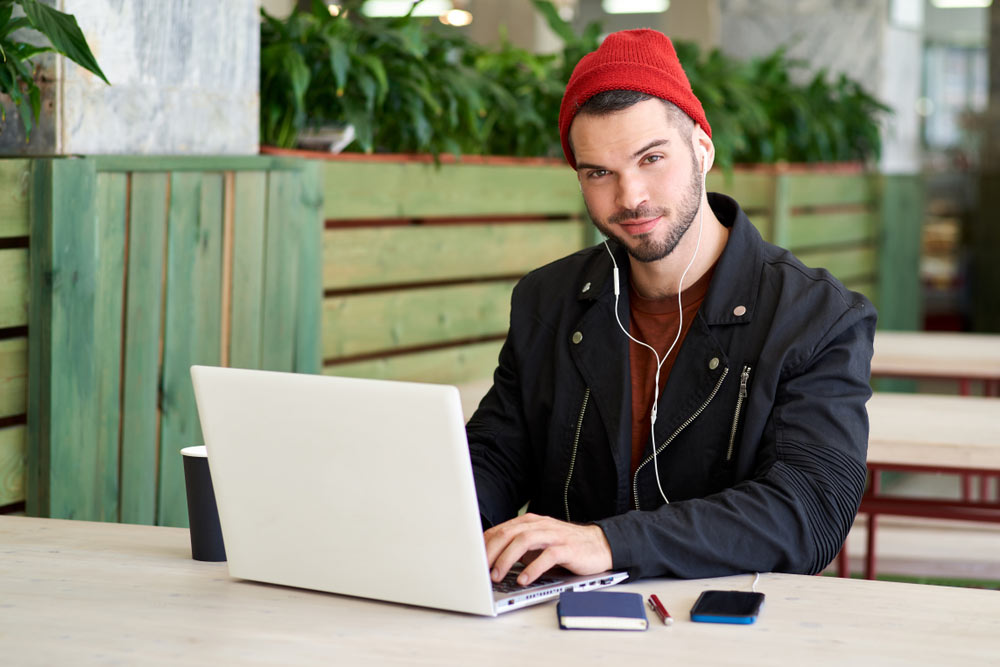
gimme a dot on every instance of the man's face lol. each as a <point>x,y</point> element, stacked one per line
<point>640,179</point>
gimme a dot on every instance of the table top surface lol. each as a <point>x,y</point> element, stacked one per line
<point>933,430</point>
<point>86,593</point>
<point>936,355</point>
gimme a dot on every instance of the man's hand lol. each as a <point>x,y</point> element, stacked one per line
<point>543,542</point>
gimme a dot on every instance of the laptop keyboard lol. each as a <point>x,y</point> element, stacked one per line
<point>509,583</point>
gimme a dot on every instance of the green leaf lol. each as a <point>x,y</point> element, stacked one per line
<point>377,69</point>
<point>64,33</point>
<point>26,51</point>
<point>340,60</point>
<point>7,26</point>
<point>6,81</point>
<point>551,15</point>
<point>298,74</point>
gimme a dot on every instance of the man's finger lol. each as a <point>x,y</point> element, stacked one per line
<point>525,541</point>
<point>545,561</point>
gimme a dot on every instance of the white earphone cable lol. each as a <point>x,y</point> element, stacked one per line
<point>666,355</point>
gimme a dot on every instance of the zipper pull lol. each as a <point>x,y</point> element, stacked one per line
<point>744,378</point>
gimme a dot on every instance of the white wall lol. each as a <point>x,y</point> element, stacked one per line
<point>184,77</point>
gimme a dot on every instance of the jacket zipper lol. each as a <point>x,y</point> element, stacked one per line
<point>687,422</point>
<point>744,378</point>
<point>572,456</point>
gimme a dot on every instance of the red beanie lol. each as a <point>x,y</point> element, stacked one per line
<point>639,60</point>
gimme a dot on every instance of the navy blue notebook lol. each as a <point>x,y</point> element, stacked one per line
<point>601,610</point>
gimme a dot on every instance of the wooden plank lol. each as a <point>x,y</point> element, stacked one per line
<point>411,190</point>
<point>13,287</point>
<point>780,212</point>
<point>12,468</point>
<point>247,317</point>
<point>819,189</point>
<point>40,328</point>
<point>13,376</point>
<point>451,365</point>
<point>74,332</point>
<point>143,327</point>
<point>845,263</point>
<point>280,274</point>
<point>392,255</point>
<point>366,323</point>
<point>811,230</point>
<point>752,189</point>
<point>899,256</point>
<point>15,177</point>
<point>226,296</point>
<point>192,326</point>
<point>309,261</point>
<point>192,163</point>
<point>109,310</point>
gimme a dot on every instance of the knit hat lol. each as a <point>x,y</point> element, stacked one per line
<point>639,60</point>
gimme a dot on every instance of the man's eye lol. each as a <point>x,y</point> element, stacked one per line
<point>597,173</point>
<point>653,158</point>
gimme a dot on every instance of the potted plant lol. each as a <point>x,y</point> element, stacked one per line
<point>17,72</point>
<point>406,88</point>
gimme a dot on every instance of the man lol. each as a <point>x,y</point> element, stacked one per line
<point>757,366</point>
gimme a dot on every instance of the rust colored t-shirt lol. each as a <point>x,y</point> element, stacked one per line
<point>654,322</point>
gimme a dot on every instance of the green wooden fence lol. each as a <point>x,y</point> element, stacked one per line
<point>14,197</point>
<point>419,261</point>
<point>138,267</point>
<point>418,268</point>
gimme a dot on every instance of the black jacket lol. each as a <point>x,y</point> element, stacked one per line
<point>766,482</point>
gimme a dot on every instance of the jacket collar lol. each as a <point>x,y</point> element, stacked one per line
<point>732,296</point>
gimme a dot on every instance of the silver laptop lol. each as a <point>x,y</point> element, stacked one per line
<point>352,486</point>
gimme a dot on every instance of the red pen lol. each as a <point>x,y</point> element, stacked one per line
<point>661,611</point>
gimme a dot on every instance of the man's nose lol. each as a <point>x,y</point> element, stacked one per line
<point>632,192</point>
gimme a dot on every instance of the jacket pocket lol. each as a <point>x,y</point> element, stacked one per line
<point>744,380</point>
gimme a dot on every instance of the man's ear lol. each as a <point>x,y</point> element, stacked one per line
<point>704,149</point>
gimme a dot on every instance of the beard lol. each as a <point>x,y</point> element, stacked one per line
<point>648,248</point>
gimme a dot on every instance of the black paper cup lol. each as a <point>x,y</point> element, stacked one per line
<point>203,515</point>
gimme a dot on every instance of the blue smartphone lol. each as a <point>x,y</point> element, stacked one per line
<point>739,607</point>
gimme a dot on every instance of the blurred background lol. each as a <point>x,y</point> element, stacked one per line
<point>927,61</point>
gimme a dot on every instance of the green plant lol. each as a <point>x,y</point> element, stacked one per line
<point>406,87</point>
<point>759,114</point>
<point>17,77</point>
<point>402,87</point>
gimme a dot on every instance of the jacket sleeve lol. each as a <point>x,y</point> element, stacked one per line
<point>796,511</point>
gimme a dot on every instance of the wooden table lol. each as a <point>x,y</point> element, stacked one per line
<point>929,433</point>
<point>962,357</point>
<point>90,594</point>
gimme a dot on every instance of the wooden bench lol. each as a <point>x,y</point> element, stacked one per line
<point>928,433</point>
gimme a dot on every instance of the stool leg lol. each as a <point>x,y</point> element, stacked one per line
<point>870,548</point>
<point>876,489</point>
<point>843,565</point>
